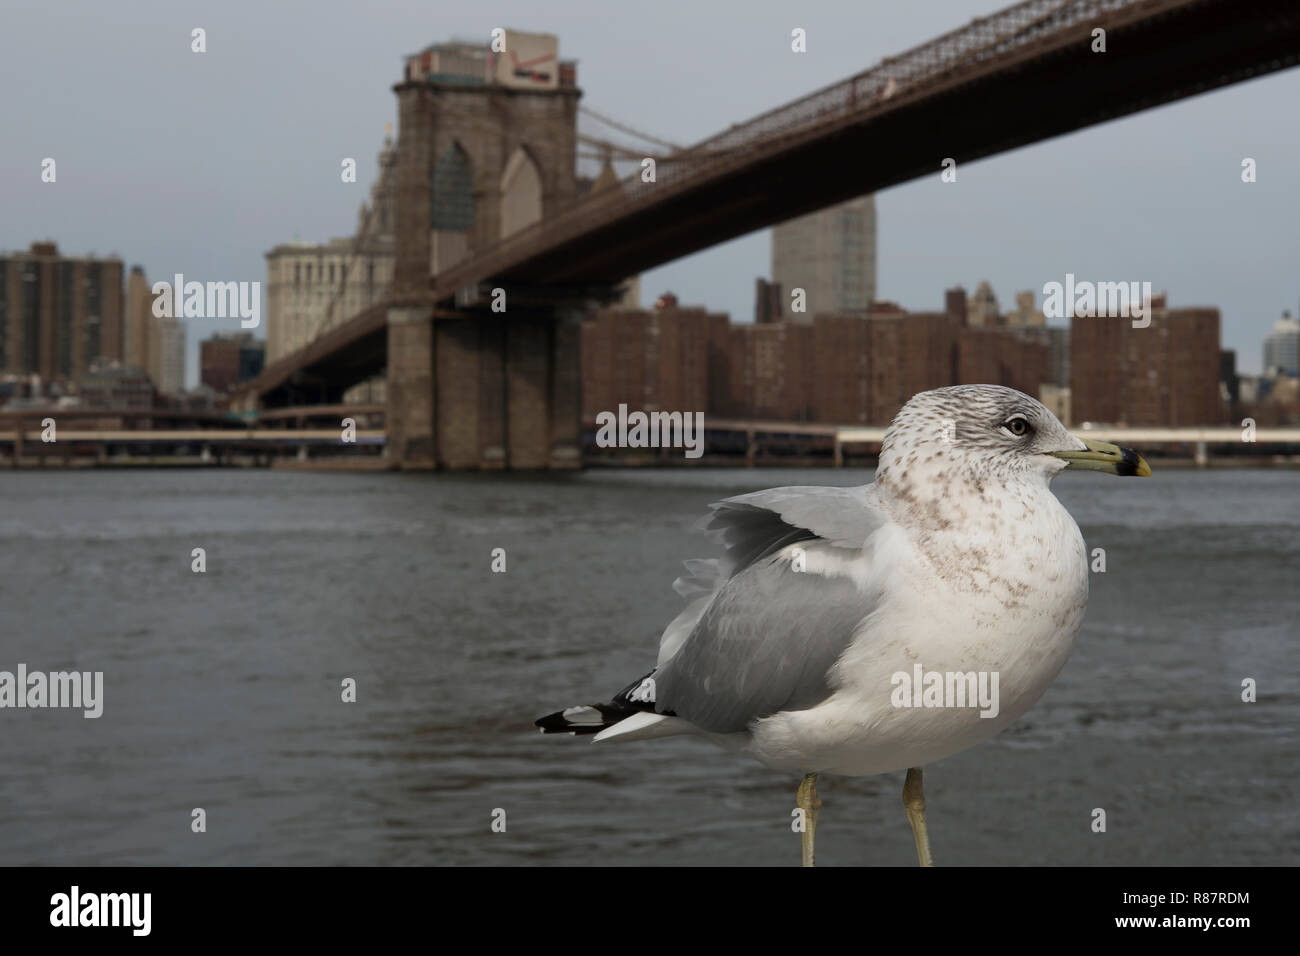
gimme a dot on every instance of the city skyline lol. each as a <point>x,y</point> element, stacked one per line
<point>34,340</point>
<point>1112,200</point>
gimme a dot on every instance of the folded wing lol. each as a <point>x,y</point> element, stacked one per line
<point>761,634</point>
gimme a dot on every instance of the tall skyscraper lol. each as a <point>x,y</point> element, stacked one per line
<point>1282,348</point>
<point>831,255</point>
<point>58,313</point>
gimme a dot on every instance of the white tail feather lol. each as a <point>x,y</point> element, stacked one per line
<point>643,726</point>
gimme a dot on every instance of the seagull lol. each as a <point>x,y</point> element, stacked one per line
<point>880,628</point>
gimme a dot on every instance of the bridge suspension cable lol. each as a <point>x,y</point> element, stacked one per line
<point>624,128</point>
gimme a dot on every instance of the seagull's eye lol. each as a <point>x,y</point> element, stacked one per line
<point>1018,425</point>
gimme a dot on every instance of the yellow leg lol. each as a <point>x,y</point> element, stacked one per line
<point>809,803</point>
<point>914,805</point>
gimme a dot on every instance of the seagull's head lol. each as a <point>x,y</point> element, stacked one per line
<point>992,432</point>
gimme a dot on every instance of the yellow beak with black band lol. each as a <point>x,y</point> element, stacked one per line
<point>1103,456</point>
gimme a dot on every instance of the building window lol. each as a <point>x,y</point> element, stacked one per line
<point>297,274</point>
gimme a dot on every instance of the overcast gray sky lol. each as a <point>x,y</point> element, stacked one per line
<point>200,163</point>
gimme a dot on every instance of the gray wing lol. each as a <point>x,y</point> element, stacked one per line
<point>755,525</point>
<point>766,635</point>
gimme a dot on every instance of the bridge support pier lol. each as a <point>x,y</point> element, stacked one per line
<point>483,390</point>
<point>409,415</point>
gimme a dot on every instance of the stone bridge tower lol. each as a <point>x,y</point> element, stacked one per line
<point>486,147</point>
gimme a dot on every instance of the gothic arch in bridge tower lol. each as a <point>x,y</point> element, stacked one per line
<point>453,208</point>
<point>521,193</point>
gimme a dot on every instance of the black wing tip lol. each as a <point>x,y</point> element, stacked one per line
<point>557,723</point>
<point>611,712</point>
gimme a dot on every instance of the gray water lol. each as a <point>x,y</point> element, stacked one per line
<point>222,690</point>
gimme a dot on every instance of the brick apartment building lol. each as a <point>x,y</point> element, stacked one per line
<point>998,357</point>
<point>838,369</point>
<point>859,368</point>
<point>651,360</point>
<point>1164,374</point>
<point>228,358</point>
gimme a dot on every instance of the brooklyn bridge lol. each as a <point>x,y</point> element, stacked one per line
<point>479,338</point>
